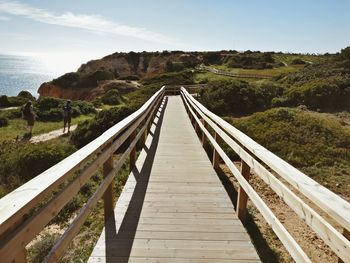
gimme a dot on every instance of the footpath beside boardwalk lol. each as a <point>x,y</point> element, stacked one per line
<point>173,207</point>
<point>50,135</point>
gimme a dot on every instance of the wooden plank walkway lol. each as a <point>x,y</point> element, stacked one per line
<point>173,207</point>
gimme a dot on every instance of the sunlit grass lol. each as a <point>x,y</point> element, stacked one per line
<point>18,127</point>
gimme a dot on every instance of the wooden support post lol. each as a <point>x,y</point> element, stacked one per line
<point>346,234</point>
<point>204,137</point>
<point>216,156</point>
<point>196,126</point>
<point>133,151</point>
<point>242,195</point>
<point>108,196</point>
<point>144,137</point>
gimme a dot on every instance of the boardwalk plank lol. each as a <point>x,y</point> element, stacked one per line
<point>173,207</point>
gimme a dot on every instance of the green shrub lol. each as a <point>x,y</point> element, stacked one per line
<point>40,249</point>
<point>239,97</point>
<point>91,80</point>
<point>298,61</point>
<point>91,129</point>
<point>50,109</point>
<point>172,78</point>
<point>300,137</point>
<point>111,97</point>
<point>11,114</point>
<point>251,60</point>
<point>6,101</point>
<point>21,162</point>
<point>68,80</point>
<point>329,94</point>
<point>75,80</point>
<point>3,121</point>
<point>26,94</point>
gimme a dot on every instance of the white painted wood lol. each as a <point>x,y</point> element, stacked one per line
<point>336,241</point>
<point>332,204</point>
<point>17,203</point>
<point>287,240</point>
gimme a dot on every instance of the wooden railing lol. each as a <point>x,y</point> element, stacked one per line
<point>256,158</point>
<point>28,209</point>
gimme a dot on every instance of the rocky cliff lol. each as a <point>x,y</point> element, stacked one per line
<point>92,78</point>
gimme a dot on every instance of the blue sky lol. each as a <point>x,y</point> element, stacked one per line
<point>77,30</point>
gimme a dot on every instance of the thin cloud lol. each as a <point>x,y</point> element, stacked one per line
<point>4,18</point>
<point>94,23</point>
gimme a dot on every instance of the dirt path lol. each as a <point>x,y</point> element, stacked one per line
<point>9,108</point>
<point>50,135</point>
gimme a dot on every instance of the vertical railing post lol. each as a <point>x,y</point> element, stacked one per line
<point>196,125</point>
<point>346,234</point>
<point>204,137</point>
<point>216,156</point>
<point>108,196</point>
<point>133,152</point>
<point>242,195</point>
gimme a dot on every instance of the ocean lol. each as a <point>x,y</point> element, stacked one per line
<point>19,73</point>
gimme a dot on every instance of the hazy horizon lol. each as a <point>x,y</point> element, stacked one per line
<point>69,33</point>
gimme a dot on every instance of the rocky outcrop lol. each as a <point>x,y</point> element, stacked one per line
<point>48,89</point>
<point>98,76</point>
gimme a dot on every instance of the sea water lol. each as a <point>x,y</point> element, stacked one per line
<point>19,73</point>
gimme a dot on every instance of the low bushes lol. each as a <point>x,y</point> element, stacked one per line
<point>21,162</point>
<point>11,101</point>
<point>3,121</point>
<point>50,109</point>
<point>300,137</point>
<point>111,97</point>
<point>328,94</point>
<point>172,78</point>
<point>91,129</point>
<point>75,80</point>
<point>239,97</point>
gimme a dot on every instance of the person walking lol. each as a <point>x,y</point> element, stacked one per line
<point>29,115</point>
<point>67,116</point>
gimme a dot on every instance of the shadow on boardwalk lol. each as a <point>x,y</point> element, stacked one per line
<point>130,221</point>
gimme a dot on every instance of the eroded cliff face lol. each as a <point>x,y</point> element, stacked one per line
<point>120,65</point>
<point>47,89</point>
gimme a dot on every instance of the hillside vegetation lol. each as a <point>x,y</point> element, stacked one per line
<point>301,114</point>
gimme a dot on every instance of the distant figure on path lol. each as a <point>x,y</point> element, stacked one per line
<point>29,115</point>
<point>67,116</point>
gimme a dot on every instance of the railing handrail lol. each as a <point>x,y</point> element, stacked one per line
<point>17,203</point>
<point>337,242</point>
<point>334,205</point>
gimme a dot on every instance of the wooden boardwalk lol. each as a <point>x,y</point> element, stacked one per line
<point>173,207</point>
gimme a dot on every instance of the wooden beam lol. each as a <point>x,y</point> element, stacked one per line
<point>204,138</point>
<point>346,234</point>
<point>21,256</point>
<point>18,203</point>
<point>133,152</point>
<point>331,203</point>
<point>216,156</point>
<point>108,196</point>
<point>336,241</point>
<point>242,195</point>
<point>287,240</point>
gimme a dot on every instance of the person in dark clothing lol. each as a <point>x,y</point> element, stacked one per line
<point>67,116</point>
<point>29,115</point>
